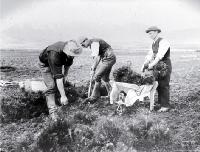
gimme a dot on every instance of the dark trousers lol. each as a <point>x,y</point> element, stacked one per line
<point>106,66</point>
<point>163,87</point>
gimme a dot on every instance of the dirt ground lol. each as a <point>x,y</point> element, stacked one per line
<point>176,130</point>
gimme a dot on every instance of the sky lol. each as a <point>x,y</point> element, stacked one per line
<point>35,24</point>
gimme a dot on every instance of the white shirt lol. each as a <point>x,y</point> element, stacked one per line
<point>162,50</point>
<point>95,49</point>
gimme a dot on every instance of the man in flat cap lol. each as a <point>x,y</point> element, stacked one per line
<point>55,61</point>
<point>160,52</point>
<point>101,52</point>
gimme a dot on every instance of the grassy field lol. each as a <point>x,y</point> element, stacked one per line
<point>97,127</point>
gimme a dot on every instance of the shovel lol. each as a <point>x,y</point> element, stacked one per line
<point>90,86</point>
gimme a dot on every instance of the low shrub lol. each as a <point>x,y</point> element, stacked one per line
<point>56,137</point>
<point>127,75</point>
<point>106,131</point>
<point>82,137</point>
<point>84,118</point>
<point>22,105</point>
<point>148,134</point>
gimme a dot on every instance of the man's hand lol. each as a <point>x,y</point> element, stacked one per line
<point>150,67</point>
<point>64,100</point>
<point>143,74</point>
<point>146,65</point>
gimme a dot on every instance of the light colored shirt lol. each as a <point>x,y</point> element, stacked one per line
<point>162,50</point>
<point>95,49</point>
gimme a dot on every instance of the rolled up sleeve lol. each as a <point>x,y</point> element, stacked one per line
<point>95,49</point>
<point>55,64</point>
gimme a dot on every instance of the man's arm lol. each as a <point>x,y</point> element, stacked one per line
<point>60,86</point>
<point>96,63</point>
<point>148,59</point>
<point>56,70</point>
<point>163,47</point>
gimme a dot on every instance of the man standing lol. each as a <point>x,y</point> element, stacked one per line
<point>55,61</point>
<point>160,52</point>
<point>102,52</point>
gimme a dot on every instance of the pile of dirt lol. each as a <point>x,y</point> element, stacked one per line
<point>126,74</point>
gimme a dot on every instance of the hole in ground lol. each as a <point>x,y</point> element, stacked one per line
<point>7,68</point>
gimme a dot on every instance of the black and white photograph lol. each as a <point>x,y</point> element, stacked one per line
<point>99,76</point>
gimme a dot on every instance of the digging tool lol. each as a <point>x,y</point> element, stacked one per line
<point>90,86</point>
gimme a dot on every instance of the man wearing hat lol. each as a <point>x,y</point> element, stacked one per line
<point>101,52</point>
<point>54,64</point>
<point>160,52</point>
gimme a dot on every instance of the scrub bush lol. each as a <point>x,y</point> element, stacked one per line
<point>127,75</point>
<point>56,137</point>
<point>22,105</point>
<point>106,131</point>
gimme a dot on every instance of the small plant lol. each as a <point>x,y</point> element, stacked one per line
<point>84,118</point>
<point>106,131</point>
<point>150,134</point>
<point>56,137</point>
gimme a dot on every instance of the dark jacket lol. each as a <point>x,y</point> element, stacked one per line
<point>54,57</point>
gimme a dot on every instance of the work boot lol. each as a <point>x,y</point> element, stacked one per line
<point>95,93</point>
<point>52,106</point>
<point>108,88</point>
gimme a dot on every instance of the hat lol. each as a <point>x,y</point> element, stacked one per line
<point>82,39</point>
<point>153,28</point>
<point>72,48</point>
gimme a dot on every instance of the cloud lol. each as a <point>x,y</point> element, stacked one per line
<point>38,23</point>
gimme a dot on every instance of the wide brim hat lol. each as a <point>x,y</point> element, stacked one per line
<point>82,39</point>
<point>72,48</point>
<point>153,28</point>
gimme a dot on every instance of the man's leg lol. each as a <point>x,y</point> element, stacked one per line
<point>96,89</point>
<point>106,79</point>
<point>50,92</point>
<point>163,92</point>
<point>159,96</point>
<point>106,74</point>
